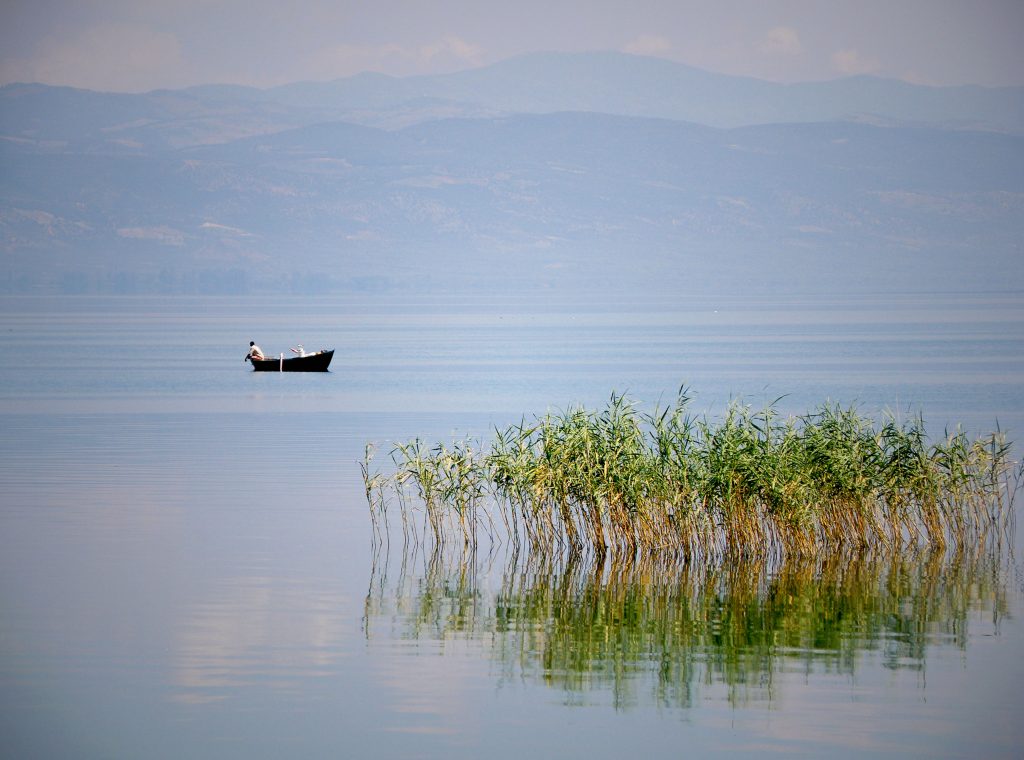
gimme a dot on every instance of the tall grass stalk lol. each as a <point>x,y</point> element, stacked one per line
<point>751,484</point>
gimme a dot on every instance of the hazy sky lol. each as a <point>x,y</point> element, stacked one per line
<point>136,45</point>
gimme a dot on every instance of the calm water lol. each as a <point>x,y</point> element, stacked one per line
<point>186,567</point>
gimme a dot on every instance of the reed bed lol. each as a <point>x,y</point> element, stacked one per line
<point>751,484</point>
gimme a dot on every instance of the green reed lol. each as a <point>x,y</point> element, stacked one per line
<point>750,484</point>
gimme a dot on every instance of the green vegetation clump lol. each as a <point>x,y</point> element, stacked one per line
<point>750,484</point>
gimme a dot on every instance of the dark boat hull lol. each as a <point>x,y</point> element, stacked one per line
<point>317,362</point>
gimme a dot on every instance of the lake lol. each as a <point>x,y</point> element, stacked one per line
<point>187,566</point>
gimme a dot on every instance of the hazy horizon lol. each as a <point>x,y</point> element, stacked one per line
<point>143,46</point>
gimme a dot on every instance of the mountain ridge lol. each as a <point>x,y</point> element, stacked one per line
<point>543,200</point>
<point>616,83</point>
<point>440,182</point>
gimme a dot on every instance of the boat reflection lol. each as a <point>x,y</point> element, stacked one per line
<point>658,632</point>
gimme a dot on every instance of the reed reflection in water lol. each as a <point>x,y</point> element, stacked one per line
<point>655,631</point>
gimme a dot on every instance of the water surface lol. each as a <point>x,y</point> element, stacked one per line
<point>186,566</point>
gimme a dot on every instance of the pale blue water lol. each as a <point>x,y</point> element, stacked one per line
<point>186,567</point>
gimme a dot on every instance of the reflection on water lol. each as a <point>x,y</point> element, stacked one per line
<point>185,553</point>
<point>235,638</point>
<point>655,632</point>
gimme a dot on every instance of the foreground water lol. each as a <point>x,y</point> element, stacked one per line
<point>186,566</point>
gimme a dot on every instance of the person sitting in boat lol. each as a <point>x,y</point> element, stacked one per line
<point>254,351</point>
<point>299,350</point>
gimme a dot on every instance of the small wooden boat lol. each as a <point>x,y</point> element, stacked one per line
<point>317,362</point>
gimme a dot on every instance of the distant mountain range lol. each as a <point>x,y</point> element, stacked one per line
<point>544,171</point>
